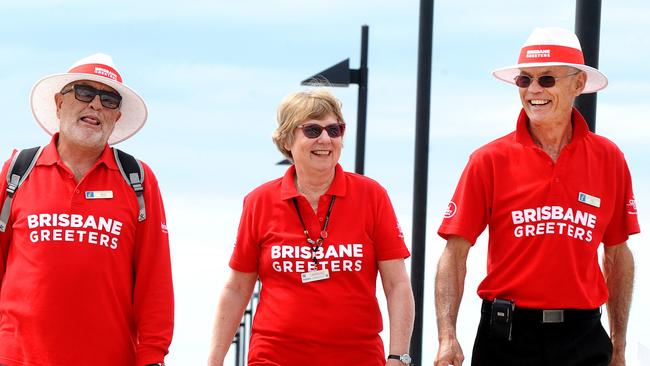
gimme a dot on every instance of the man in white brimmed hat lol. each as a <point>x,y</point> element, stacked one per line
<point>551,192</point>
<point>85,274</point>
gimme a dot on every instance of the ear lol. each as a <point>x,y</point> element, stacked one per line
<point>288,142</point>
<point>58,100</point>
<point>287,146</point>
<point>580,83</point>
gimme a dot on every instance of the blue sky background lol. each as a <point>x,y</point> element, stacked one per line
<point>213,72</point>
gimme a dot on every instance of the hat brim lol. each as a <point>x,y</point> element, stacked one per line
<point>595,79</point>
<point>133,107</point>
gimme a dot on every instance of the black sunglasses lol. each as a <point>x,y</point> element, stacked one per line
<point>314,130</point>
<point>86,93</point>
<point>545,81</point>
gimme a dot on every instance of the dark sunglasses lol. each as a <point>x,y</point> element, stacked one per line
<point>313,130</point>
<point>86,93</point>
<point>545,81</point>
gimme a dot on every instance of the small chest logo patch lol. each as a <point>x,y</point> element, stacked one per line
<point>98,195</point>
<point>588,199</point>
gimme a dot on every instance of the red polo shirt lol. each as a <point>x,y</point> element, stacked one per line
<point>328,322</point>
<point>546,220</point>
<point>82,281</point>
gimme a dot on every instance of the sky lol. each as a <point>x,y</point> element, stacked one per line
<point>213,73</point>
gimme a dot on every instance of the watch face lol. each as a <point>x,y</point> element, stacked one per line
<point>405,359</point>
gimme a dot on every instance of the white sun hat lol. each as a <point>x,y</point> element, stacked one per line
<point>100,68</point>
<point>553,47</point>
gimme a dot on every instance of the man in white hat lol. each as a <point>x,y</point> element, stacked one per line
<point>551,192</point>
<point>85,274</point>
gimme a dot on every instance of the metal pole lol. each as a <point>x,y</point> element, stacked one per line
<point>420,174</point>
<point>588,31</point>
<point>362,103</point>
<point>237,342</point>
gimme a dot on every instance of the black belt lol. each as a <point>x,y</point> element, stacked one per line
<point>546,315</point>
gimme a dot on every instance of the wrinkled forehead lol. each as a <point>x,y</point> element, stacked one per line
<point>95,84</point>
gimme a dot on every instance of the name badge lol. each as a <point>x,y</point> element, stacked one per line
<point>588,199</point>
<point>313,276</point>
<point>98,195</point>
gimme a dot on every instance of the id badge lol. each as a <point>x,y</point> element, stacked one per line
<point>98,195</point>
<point>313,276</point>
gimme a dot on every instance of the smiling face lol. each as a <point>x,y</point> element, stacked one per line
<point>82,124</point>
<point>554,104</point>
<point>318,155</point>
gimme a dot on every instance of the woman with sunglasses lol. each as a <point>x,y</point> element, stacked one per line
<point>317,238</point>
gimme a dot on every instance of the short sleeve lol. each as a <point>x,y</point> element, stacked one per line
<point>387,235</point>
<point>624,220</point>
<point>245,256</point>
<point>468,211</point>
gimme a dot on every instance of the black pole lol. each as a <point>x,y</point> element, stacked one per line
<point>588,31</point>
<point>238,346</point>
<point>420,173</point>
<point>362,103</point>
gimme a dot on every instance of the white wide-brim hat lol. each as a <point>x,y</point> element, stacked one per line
<point>553,47</point>
<point>100,68</point>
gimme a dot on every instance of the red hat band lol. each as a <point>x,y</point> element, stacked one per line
<point>97,69</point>
<point>551,53</point>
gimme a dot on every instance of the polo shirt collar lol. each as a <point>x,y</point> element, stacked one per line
<point>50,155</point>
<point>580,128</point>
<point>288,187</point>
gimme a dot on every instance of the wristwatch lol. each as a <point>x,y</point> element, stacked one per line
<point>156,364</point>
<point>405,358</point>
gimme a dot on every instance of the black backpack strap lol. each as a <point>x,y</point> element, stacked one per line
<point>133,173</point>
<point>21,166</point>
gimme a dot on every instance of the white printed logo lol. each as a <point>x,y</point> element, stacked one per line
<point>105,72</point>
<point>451,210</point>
<point>74,229</point>
<point>333,258</point>
<point>631,207</point>
<point>399,230</point>
<point>556,220</point>
<point>538,54</point>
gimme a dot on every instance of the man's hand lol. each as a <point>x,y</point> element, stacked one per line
<point>449,353</point>
<point>618,358</point>
<point>450,282</point>
<point>618,268</point>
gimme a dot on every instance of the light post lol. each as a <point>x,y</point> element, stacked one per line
<point>587,29</point>
<point>340,75</point>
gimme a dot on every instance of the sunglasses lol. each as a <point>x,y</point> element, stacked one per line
<point>314,130</point>
<point>545,81</point>
<point>86,93</point>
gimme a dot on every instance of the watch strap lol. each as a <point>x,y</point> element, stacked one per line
<point>405,358</point>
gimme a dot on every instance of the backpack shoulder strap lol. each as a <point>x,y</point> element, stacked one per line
<point>21,166</point>
<point>133,173</point>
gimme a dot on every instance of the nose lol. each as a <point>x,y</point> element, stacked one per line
<point>96,103</point>
<point>534,86</point>
<point>323,136</point>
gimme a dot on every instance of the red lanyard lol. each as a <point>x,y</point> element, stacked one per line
<point>318,243</point>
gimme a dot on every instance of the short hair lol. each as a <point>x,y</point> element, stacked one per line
<point>299,107</point>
